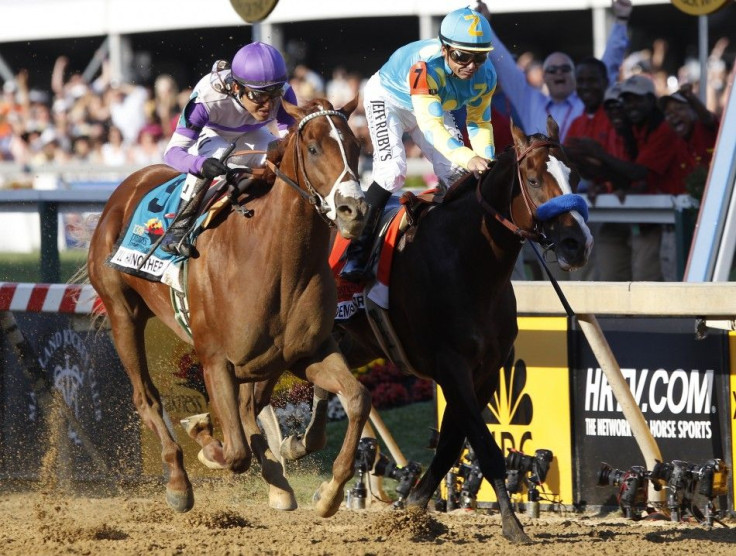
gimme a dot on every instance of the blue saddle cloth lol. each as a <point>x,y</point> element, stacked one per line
<point>151,219</point>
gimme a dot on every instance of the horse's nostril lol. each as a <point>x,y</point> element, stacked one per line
<point>346,212</point>
<point>570,244</point>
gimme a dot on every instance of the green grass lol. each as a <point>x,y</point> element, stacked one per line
<point>410,427</point>
<point>26,267</point>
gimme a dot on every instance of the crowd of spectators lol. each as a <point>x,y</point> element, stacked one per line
<point>108,123</point>
<point>111,124</point>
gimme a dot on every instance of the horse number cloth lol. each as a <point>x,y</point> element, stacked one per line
<point>151,219</point>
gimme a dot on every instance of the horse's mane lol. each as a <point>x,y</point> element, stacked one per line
<point>313,105</point>
<point>276,149</point>
<point>467,183</point>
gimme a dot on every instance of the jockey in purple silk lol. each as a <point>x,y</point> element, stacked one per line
<point>235,102</point>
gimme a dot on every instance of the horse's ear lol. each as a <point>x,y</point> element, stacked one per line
<point>292,109</point>
<point>553,130</point>
<point>519,136</point>
<point>350,106</point>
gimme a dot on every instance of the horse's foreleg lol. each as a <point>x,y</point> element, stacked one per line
<point>219,378</point>
<point>458,389</point>
<point>128,336</point>
<point>280,494</point>
<point>449,447</point>
<point>315,435</point>
<point>332,374</point>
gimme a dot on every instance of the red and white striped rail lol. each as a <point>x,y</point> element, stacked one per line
<point>49,298</point>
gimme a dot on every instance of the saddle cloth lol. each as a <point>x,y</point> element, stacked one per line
<point>150,220</point>
<point>350,295</point>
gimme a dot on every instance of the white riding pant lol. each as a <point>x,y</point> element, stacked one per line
<point>211,144</point>
<point>387,123</point>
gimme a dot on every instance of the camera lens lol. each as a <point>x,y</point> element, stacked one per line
<point>607,475</point>
<point>366,454</point>
<point>518,461</point>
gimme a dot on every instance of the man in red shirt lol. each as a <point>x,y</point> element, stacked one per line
<point>592,81</point>
<point>587,134</point>
<point>657,162</point>
<point>661,152</point>
<point>591,131</point>
<point>692,121</point>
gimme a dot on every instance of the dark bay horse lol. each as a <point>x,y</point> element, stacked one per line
<point>261,299</point>
<point>452,304</point>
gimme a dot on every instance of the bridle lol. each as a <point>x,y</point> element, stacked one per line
<point>319,202</point>
<point>536,233</point>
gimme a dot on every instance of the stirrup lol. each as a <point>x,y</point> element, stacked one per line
<point>182,248</point>
<point>360,272</point>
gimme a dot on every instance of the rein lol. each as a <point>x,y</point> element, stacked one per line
<point>535,234</point>
<point>311,194</point>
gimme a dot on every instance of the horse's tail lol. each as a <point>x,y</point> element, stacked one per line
<point>98,317</point>
<point>80,276</point>
<point>83,235</point>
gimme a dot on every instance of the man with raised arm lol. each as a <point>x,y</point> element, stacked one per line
<point>562,103</point>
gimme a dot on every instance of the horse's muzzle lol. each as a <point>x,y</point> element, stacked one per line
<point>350,211</point>
<point>573,242</point>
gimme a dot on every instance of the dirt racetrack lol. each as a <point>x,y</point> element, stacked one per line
<point>230,518</point>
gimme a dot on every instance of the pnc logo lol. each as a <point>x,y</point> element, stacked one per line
<point>510,406</point>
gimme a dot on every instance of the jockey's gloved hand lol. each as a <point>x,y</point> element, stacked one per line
<point>213,168</point>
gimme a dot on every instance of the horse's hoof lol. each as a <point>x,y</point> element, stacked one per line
<point>518,537</point>
<point>514,532</point>
<point>210,464</point>
<point>180,501</point>
<point>293,448</point>
<point>281,500</point>
<point>324,505</point>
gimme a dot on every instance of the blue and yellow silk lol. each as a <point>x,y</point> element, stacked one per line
<point>420,80</point>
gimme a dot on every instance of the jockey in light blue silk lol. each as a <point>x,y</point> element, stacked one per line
<point>415,92</point>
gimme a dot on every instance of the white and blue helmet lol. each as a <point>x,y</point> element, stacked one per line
<point>466,29</point>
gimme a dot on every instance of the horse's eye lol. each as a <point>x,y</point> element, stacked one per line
<point>312,149</point>
<point>533,182</point>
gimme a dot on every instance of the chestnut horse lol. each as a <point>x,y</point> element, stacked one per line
<point>452,304</point>
<point>261,299</point>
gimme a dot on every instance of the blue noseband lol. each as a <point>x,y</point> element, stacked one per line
<point>563,203</point>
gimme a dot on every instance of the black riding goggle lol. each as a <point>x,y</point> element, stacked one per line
<point>464,57</point>
<point>259,96</point>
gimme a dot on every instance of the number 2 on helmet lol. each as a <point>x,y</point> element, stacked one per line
<point>473,29</point>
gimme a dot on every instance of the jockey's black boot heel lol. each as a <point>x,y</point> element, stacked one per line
<point>177,241</point>
<point>356,267</point>
<point>177,236</point>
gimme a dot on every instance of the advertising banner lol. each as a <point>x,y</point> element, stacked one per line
<point>530,409</point>
<point>81,364</point>
<point>680,383</point>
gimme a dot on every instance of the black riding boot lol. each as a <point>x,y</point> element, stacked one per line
<point>177,241</point>
<point>356,267</point>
